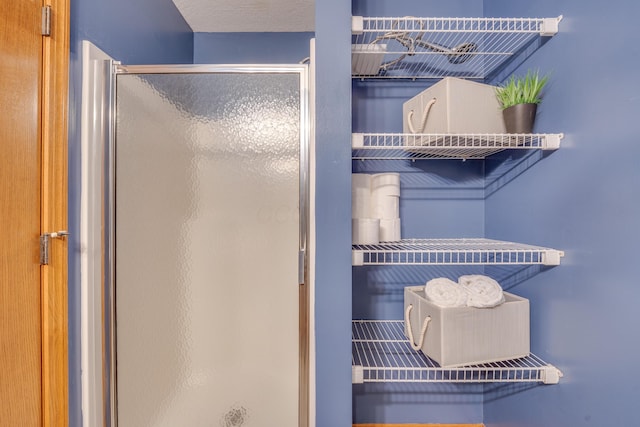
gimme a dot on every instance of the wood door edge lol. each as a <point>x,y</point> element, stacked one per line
<point>55,81</point>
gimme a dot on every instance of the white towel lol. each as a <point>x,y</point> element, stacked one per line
<point>483,291</point>
<point>445,293</point>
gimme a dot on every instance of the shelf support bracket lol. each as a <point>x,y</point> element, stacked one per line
<point>552,257</point>
<point>357,25</point>
<point>357,140</point>
<point>550,26</point>
<point>552,141</point>
<point>550,375</point>
<point>357,258</point>
<point>357,374</point>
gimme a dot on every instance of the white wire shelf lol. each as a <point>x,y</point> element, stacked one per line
<point>474,251</point>
<point>381,353</point>
<point>417,47</point>
<point>392,146</point>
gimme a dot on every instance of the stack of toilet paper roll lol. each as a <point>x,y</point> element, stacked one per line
<point>375,209</point>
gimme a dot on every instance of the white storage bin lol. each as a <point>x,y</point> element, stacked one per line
<point>458,336</point>
<point>460,106</point>
<point>366,59</point>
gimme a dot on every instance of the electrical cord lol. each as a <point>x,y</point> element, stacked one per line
<point>455,55</point>
<point>401,37</point>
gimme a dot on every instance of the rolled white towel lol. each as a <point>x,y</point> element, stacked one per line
<point>445,293</point>
<point>483,291</point>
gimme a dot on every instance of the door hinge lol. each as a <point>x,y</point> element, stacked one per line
<point>45,242</point>
<point>46,20</point>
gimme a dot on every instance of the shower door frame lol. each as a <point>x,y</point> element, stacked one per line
<point>305,294</point>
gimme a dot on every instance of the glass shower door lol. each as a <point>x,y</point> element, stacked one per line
<point>209,227</point>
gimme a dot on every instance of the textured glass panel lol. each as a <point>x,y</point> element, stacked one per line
<point>207,188</point>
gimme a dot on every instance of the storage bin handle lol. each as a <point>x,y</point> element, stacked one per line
<point>425,116</point>
<point>423,332</point>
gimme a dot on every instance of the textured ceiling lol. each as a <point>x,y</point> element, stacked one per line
<point>212,16</point>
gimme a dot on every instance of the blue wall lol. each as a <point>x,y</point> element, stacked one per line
<point>582,199</point>
<point>256,48</point>
<point>333,203</point>
<point>134,32</point>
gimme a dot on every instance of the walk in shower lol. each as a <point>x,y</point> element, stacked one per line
<point>200,267</point>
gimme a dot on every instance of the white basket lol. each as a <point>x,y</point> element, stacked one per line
<point>460,106</point>
<point>458,336</point>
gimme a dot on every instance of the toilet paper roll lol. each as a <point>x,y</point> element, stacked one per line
<point>365,231</point>
<point>361,195</point>
<point>390,230</point>
<point>387,178</point>
<point>361,179</point>
<point>385,207</point>
<point>361,204</point>
<point>386,184</point>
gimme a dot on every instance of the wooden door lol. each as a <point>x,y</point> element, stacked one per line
<point>33,327</point>
<point>20,160</point>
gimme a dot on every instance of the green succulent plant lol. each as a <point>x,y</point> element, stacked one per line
<point>522,90</point>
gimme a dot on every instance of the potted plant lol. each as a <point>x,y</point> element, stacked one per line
<point>519,98</point>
